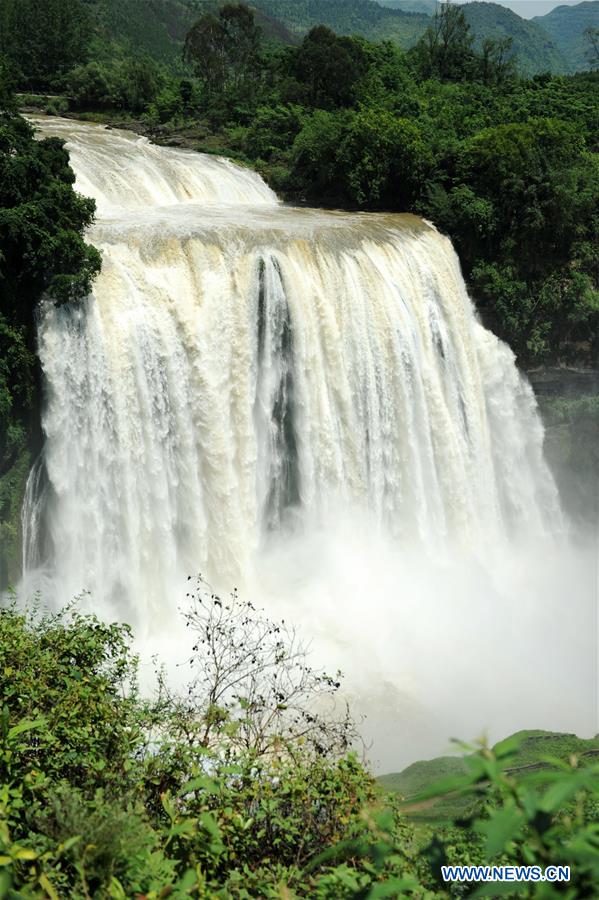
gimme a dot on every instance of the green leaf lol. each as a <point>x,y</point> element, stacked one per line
<point>27,725</point>
<point>508,747</point>
<point>186,827</point>
<point>116,890</point>
<point>70,842</point>
<point>503,825</point>
<point>47,886</point>
<point>563,789</point>
<point>24,853</point>
<point>187,881</point>
<point>446,786</point>
<point>209,823</point>
<point>167,805</point>
<point>202,782</point>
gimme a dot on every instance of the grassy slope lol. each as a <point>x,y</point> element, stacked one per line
<point>566,25</point>
<point>535,49</point>
<point>535,746</point>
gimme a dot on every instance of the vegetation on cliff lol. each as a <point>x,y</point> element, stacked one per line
<point>42,255</point>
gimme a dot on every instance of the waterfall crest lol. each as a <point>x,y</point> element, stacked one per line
<point>243,368</point>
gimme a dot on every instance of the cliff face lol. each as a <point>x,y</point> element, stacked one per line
<point>569,404</point>
<point>12,491</point>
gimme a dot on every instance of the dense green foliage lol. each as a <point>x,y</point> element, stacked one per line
<point>42,254</point>
<point>106,794</point>
<point>241,786</point>
<point>422,6</point>
<point>126,28</point>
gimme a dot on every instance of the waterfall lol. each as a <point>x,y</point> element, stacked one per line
<point>244,369</point>
<point>304,404</point>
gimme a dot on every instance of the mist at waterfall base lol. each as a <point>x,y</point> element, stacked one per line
<point>303,404</point>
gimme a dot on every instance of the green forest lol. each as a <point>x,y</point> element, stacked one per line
<point>213,792</point>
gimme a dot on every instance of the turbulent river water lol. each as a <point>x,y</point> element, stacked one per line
<point>304,404</point>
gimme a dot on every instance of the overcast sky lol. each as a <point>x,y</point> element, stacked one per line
<point>529,8</point>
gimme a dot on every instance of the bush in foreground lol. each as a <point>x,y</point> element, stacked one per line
<point>243,785</point>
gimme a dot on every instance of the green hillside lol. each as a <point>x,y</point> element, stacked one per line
<point>566,26</point>
<point>354,17</point>
<point>158,28</point>
<point>535,49</point>
<point>427,7</point>
<point>534,748</point>
<point>390,20</point>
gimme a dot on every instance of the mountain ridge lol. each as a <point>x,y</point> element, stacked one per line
<point>566,26</point>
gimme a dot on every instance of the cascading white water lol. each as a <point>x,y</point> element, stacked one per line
<point>245,373</point>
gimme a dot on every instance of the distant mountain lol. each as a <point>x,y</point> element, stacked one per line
<point>427,7</point>
<point>566,26</point>
<point>534,748</point>
<point>534,48</point>
<point>158,27</point>
<point>363,17</point>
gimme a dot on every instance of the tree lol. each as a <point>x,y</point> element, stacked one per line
<point>445,50</point>
<point>206,49</point>
<point>497,63</point>
<point>530,172</point>
<point>314,156</point>
<point>329,66</point>
<point>224,49</point>
<point>592,38</point>
<point>71,678</point>
<point>253,691</point>
<point>523,196</point>
<point>384,159</point>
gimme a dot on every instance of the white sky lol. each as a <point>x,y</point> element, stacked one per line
<point>529,8</point>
